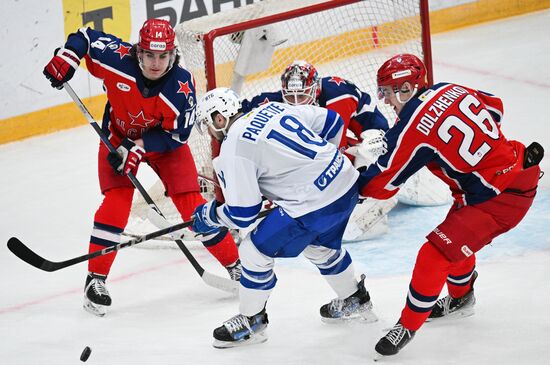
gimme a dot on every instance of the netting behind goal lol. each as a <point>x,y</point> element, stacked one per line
<point>249,47</point>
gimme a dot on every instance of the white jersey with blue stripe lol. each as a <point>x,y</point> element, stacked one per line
<point>287,154</point>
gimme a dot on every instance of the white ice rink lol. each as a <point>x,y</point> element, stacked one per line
<point>162,313</point>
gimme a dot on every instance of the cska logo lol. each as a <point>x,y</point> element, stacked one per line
<point>140,120</point>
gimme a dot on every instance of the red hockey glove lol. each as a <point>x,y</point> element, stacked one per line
<point>61,67</point>
<point>126,158</point>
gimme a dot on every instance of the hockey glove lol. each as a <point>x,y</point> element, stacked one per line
<point>61,67</point>
<point>204,218</point>
<point>372,146</point>
<point>126,158</point>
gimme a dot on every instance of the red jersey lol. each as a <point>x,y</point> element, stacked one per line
<point>455,131</point>
<point>161,113</point>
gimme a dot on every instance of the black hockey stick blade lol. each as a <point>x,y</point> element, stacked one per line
<point>29,256</point>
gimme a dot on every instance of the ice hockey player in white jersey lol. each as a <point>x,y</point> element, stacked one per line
<point>289,155</point>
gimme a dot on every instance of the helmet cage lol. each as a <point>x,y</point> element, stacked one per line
<point>300,84</point>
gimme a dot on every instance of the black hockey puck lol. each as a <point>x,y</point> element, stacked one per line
<point>85,353</point>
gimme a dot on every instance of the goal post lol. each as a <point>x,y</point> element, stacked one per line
<point>248,48</point>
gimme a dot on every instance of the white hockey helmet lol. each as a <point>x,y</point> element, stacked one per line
<point>221,100</point>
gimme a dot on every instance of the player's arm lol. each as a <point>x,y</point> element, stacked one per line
<point>243,199</point>
<point>404,157</point>
<point>256,101</point>
<point>66,59</point>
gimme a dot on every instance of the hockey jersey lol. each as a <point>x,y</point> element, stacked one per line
<point>287,154</point>
<point>357,108</point>
<point>455,131</point>
<point>162,114</point>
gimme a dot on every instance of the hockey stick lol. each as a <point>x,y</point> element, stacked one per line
<point>206,277</point>
<point>22,251</point>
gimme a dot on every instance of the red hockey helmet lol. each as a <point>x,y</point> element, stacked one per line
<point>402,68</point>
<point>300,83</point>
<point>157,35</point>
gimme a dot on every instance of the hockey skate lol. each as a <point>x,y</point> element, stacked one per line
<point>96,296</point>
<point>394,341</point>
<point>241,330</point>
<point>449,307</point>
<point>235,270</point>
<point>356,306</point>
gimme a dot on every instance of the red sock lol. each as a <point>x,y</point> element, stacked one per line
<point>429,275</point>
<point>459,280</point>
<point>109,222</point>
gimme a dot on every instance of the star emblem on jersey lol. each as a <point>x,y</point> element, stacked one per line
<point>123,51</point>
<point>337,80</point>
<point>140,120</point>
<point>184,88</point>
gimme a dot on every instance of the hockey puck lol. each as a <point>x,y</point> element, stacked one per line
<point>85,353</point>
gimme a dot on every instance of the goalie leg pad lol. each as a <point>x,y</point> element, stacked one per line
<point>369,219</point>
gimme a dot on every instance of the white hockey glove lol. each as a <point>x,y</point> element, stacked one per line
<point>372,146</point>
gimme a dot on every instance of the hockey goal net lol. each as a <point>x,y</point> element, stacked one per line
<point>249,47</point>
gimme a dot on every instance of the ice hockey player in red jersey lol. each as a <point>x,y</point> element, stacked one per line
<point>148,116</point>
<point>455,131</point>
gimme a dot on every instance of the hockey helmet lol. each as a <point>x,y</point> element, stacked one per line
<point>157,35</point>
<point>399,69</point>
<point>221,100</point>
<point>300,83</point>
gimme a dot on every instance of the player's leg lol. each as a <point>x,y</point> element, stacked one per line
<point>335,263</point>
<point>460,283</point>
<point>429,275</point>
<point>464,231</point>
<point>278,235</point>
<point>257,281</point>
<point>109,222</point>
<point>177,171</point>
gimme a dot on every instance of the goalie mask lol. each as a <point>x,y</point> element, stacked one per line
<point>398,70</point>
<point>300,84</point>
<point>222,101</point>
<point>157,35</point>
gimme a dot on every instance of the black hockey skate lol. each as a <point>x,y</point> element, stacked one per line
<point>394,341</point>
<point>356,306</point>
<point>96,296</point>
<point>241,330</point>
<point>455,307</point>
<point>235,270</point>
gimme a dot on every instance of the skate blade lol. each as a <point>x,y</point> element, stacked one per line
<point>95,309</point>
<point>463,313</point>
<point>365,317</point>
<point>256,338</point>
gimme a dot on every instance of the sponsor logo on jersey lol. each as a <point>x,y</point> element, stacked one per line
<point>330,172</point>
<point>123,87</point>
